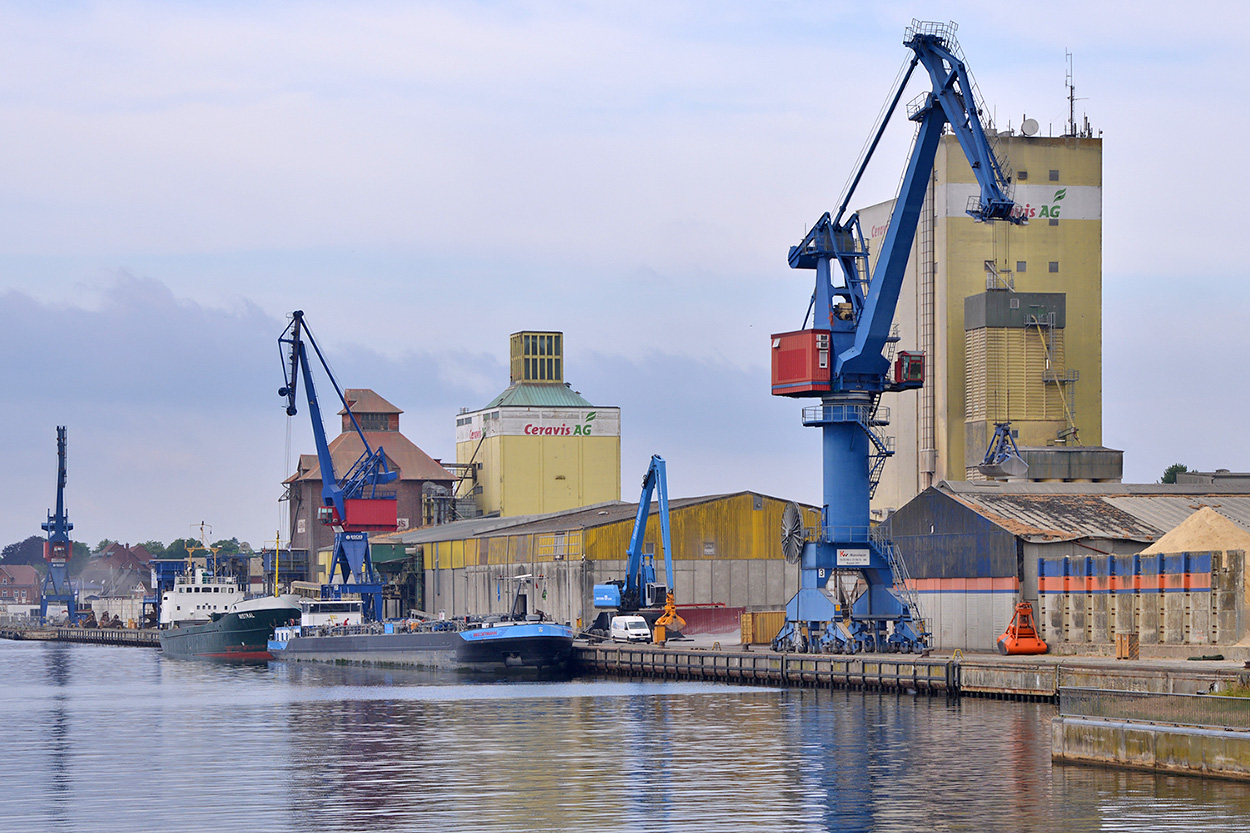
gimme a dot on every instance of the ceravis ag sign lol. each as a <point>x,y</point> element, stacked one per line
<point>1035,202</point>
<point>539,422</point>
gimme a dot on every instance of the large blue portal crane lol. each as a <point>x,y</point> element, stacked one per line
<point>353,505</point>
<point>58,549</point>
<point>854,594</point>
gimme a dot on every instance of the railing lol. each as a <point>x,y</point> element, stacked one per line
<point>773,668</point>
<point>903,588</point>
<point>863,414</point>
<point>846,534</point>
<point>110,636</point>
<point>1206,710</point>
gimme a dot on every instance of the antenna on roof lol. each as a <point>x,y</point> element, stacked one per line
<point>1071,95</point>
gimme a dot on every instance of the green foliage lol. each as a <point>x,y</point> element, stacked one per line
<point>155,548</point>
<point>1169,474</point>
<point>226,546</point>
<point>28,551</point>
<point>100,547</point>
<point>78,561</point>
<point>178,548</point>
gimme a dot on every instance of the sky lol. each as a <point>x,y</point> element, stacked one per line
<point>424,178</point>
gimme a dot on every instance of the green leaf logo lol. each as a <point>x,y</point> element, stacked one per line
<point>1059,194</point>
<point>590,416</point>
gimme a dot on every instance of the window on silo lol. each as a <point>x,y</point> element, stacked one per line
<point>1054,176</point>
<point>1054,266</point>
<point>1022,266</point>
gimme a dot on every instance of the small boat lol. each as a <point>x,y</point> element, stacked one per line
<point>207,616</point>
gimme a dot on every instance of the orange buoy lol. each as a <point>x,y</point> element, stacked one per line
<point>1021,634</point>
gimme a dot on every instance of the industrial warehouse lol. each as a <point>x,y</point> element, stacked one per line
<point>999,323</point>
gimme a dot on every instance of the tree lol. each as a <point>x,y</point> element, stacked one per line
<point>1169,474</point>
<point>104,544</point>
<point>78,561</point>
<point>155,548</point>
<point>29,551</point>
<point>226,546</point>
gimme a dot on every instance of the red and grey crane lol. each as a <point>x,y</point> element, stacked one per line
<point>355,504</point>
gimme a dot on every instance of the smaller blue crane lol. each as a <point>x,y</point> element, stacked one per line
<point>353,505</point>
<point>638,591</point>
<point>58,549</point>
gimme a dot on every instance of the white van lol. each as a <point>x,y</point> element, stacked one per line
<point>630,629</point>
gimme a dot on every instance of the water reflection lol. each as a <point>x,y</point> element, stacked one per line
<point>120,738</point>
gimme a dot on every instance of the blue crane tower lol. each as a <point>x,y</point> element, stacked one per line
<point>58,549</point>
<point>354,505</point>
<point>853,592</point>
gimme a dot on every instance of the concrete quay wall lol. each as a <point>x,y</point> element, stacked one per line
<point>1041,678</point>
<point>982,675</point>
<point>1212,752</point>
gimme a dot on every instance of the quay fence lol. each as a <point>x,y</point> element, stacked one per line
<point>1201,710</point>
<point>772,668</point>
<point>110,636</point>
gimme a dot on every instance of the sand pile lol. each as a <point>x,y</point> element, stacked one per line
<point>1204,531</point>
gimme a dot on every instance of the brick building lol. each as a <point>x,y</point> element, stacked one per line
<point>19,584</point>
<point>421,478</point>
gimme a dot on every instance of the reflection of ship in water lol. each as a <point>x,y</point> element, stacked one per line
<point>514,641</point>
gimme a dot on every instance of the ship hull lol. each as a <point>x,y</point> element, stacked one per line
<point>241,636</point>
<point>498,648</point>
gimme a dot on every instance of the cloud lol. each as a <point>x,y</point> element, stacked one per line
<point>423,179</point>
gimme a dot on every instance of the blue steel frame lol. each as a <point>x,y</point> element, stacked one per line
<point>351,549</point>
<point>859,375</point>
<point>639,569</point>
<point>59,549</point>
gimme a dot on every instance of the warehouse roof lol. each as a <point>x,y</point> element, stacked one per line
<point>1070,511</point>
<point>599,514</point>
<point>530,395</point>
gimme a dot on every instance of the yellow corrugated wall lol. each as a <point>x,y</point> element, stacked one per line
<point>732,527</point>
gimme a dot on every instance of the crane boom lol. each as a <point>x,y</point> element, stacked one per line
<point>353,505</point>
<point>638,591</point>
<point>58,548</point>
<point>842,359</point>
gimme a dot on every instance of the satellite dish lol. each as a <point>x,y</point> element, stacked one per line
<point>1029,127</point>
<point>792,533</point>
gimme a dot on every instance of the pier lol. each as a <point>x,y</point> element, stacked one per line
<point>977,675</point>
<point>98,636</point>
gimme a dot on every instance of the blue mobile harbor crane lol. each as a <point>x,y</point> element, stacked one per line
<point>353,505</point>
<point>638,592</point>
<point>842,359</point>
<point>58,549</point>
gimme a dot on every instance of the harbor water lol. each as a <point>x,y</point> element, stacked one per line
<point>123,739</point>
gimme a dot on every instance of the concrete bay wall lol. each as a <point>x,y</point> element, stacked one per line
<point>1182,599</point>
<point>1221,753</point>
